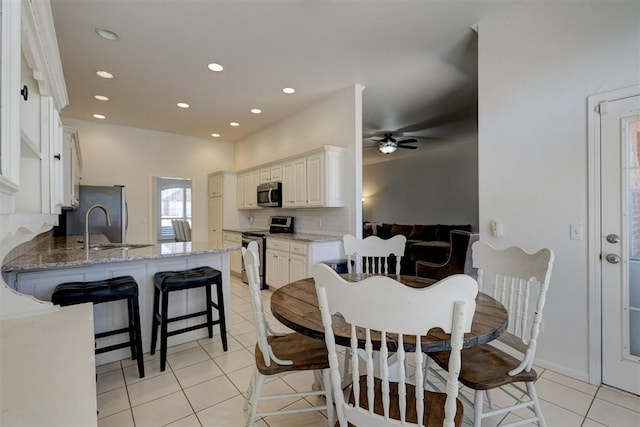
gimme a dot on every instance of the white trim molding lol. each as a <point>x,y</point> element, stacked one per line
<point>40,48</point>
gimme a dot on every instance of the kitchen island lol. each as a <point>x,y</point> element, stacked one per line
<point>54,260</point>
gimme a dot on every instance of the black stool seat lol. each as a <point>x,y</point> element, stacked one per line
<point>96,292</point>
<point>170,281</point>
<point>108,290</point>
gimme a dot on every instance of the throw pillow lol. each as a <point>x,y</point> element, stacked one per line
<point>426,233</point>
<point>383,231</point>
<point>405,230</point>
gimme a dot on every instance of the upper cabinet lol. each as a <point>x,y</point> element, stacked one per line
<point>72,168</point>
<point>33,92</point>
<point>247,194</point>
<point>315,180</point>
<point>215,185</point>
<point>10,68</point>
<point>271,173</point>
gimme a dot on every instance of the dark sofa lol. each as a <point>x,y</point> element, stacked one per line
<point>429,243</point>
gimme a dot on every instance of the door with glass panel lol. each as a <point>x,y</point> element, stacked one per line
<point>620,255</point>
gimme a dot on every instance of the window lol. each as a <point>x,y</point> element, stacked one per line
<point>174,200</point>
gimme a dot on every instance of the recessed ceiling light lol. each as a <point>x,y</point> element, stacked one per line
<point>107,34</point>
<point>234,124</point>
<point>215,67</point>
<point>256,110</point>
<point>105,74</point>
<point>215,135</point>
<point>289,90</point>
<point>100,116</point>
<point>182,105</point>
<point>101,98</point>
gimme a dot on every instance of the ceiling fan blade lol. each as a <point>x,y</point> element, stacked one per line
<point>408,141</point>
<point>408,147</point>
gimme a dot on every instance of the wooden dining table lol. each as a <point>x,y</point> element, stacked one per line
<point>296,306</point>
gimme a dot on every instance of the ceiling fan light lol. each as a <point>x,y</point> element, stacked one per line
<point>387,147</point>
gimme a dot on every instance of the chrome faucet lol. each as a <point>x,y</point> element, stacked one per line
<point>86,222</point>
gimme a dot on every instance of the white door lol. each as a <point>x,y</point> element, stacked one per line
<point>620,181</point>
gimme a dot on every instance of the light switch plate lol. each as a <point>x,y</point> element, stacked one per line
<point>576,232</point>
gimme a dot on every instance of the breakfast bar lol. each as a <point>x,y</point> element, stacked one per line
<point>56,260</point>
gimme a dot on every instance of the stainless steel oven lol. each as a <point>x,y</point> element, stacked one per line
<point>261,240</point>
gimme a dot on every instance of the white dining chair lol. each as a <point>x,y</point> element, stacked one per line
<point>181,230</point>
<point>371,255</point>
<point>380,307</point>
<point>511,276</point>
<point>279,354</point>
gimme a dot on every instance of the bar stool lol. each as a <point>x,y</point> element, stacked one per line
<point>97,292</point>
<point>170,281</point>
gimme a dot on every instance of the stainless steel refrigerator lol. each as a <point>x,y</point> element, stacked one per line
<point>114,199</point>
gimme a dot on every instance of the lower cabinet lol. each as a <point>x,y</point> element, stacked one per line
<point>233,239</point>
<point>291,260</point>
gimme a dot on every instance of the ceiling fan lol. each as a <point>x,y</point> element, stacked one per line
<point>389,144</point>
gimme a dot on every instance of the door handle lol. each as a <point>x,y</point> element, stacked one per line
<point>613,238</point>
<point>613,258</point>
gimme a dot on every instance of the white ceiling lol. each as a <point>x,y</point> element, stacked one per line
<point>417,60</point>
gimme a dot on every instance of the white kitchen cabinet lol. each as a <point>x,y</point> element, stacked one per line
<point>72,166</point>
<point>297,267</point>
<point>248,198</point>
<point>223,211</point>
<point>240,192</point>
<point>291,260</point>
<point>294,183</point>
<point>314,180</point>
<point>215,219</point>
<point>233,239</point>
<point>275,173</point>
<point>251,189</point>
<point>271,173</point>
<point>215,181</point>
<point>277,268</point>
<point>265,175</point>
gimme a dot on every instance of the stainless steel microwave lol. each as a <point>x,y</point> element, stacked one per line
<point>270,195</point>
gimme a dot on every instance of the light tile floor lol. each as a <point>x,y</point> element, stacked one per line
<point>204,386</point>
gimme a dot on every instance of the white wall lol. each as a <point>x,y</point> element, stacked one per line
<point>120,155</point>
<point>336,120</point>
<point>537,65</point>
<point>437,184</point>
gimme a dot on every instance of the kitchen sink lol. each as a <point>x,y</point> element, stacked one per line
<point>105,246</point>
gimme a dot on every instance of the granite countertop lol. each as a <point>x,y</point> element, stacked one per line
<point>304,237</point>
<point>247,229</point>
<point>301,237</point>
<point>67,251</point>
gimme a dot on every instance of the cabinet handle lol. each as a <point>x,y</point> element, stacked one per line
<point>24,92</point>
<point>57,156</point>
